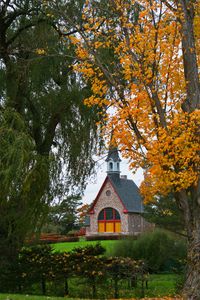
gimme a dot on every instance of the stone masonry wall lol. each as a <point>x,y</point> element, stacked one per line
<point>134,223</point>
<point>108,201</point>
<point>137,224</point>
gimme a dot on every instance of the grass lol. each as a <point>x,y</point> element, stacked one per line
<point>28,297</point>
<point>161,285</point>
<point>68,246</point>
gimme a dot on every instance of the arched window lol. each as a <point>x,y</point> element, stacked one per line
<point>109,220</point>
<point>111,165</point>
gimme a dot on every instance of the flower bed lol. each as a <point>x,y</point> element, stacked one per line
<point>49,238</point>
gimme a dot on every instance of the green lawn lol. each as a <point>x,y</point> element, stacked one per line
<point>161,285</point>
<point>68,246</point>
<point>28,297</point>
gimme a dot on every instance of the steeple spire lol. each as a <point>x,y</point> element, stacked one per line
<point>113,161</point>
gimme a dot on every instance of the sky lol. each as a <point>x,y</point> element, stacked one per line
<point>95,182</point>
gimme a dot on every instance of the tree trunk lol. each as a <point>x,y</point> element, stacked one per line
<point>66,287</point>
<point>116,288</point>
<point>43,286</point>
<point>190,57</point>
<point>94,291</point>
<point>190,205</point>
<point>192,284</point>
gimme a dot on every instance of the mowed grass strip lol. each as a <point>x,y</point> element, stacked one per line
<point>29,297</point>
<point>68,246</point>
<point>162,285</point>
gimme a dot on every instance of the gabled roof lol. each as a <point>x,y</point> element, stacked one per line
<point>127,191</point>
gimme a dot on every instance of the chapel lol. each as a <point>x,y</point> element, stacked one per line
<point>118,206</point>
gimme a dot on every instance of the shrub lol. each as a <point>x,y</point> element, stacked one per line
<point>36,265</point>
<point>119,268</point>
<point>81,232</point>
<point>40,270</point>
<point>160,250</point>
<point>91,250</point>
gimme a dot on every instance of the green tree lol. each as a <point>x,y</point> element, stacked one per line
<point>164,212</point>
<point>63,216</point>
<point>47,135</point>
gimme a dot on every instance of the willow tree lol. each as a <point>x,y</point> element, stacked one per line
<point>47,135</point>
<point>140,58</point>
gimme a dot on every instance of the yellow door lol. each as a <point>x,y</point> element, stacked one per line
<point>110,227</point>
<point>117,227</point>
<point>101,227</point>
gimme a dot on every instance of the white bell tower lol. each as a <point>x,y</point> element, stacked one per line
<point>113,161</point>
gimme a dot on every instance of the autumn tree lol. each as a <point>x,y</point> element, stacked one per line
<point>47,135</point>
<point>82,212</point>
<point>140,58</point>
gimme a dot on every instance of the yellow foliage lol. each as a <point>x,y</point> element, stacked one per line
<point>40,51</point>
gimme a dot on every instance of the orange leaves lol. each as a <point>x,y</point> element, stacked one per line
<point>174,159</point>
<point>82,53</point>
<point>74,40</point>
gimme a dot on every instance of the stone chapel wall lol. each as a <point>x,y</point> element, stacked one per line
<point>107,201</point>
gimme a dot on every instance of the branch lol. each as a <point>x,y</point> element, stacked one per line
<point>13,15</point>
<point>169,6</point>
<point>61,33</point>
<point>50,133</point>
<point>20,30</point>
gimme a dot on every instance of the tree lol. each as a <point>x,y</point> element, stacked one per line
<point>47,135</point>
<point>63,216</point>
<point>164,212</point>
<point>141,60</point>
<point>82,213</point>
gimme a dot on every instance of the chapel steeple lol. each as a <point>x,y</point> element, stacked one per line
<point>113,161</point>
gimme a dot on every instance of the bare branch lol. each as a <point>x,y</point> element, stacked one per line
<point>169,6</point>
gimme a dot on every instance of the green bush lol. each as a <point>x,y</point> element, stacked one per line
<point>36,266</point>
<point>41,270</point>
<point>160,250</point>
<point>94,250</point>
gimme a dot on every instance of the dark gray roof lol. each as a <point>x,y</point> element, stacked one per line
<point>128,192</point>
<point>113,154</point>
